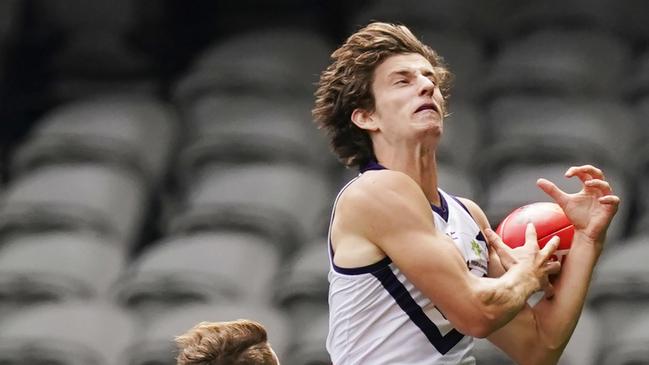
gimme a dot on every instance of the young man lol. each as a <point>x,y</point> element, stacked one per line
<point>412,280</point>
<point>240,342</point>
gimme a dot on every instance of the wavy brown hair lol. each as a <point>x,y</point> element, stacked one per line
<point>240,342</point>
<point>347,84</point>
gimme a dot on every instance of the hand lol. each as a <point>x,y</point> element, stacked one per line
<point>592,208</point>
<point>535,259</point>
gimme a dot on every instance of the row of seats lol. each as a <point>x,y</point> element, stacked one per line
<point>225,275</point>
<point>97,56</point>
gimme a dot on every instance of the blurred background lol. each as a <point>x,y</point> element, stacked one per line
<point>159,166</point>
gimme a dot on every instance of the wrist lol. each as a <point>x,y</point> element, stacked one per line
<point>523,281</point>
<point>581,238</point>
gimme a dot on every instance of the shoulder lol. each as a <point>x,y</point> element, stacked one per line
<point>379,188</point>
<point>385,196</point>
<point>477,212</point>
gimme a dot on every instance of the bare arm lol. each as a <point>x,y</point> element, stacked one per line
<point>396,217</point>
<point>539,335</point>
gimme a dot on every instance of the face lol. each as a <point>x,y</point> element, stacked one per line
<point>408,101</point>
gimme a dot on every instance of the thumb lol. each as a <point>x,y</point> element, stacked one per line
<point>495,241</point>
<point>552,190</point>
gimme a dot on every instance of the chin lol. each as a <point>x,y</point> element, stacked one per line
<point>434,129</point>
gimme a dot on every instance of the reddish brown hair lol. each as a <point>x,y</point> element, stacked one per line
<point>241,342</point>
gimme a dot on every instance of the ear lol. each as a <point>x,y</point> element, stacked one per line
<point>364,119</point>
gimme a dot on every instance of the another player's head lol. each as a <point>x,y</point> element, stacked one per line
<point>358,93</point>
<point>240,342</point>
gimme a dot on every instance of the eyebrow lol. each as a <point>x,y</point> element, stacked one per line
<point>408,72</point>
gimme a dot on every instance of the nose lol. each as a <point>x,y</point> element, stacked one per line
<point>426,85</point>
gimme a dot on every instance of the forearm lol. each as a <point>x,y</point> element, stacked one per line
<point>503,298</point>
<point>557,317</point>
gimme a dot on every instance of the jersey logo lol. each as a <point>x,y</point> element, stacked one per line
<point>476,247</point>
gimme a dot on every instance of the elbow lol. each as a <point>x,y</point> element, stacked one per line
<point>480,326</point>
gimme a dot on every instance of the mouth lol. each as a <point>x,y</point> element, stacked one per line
<point>428,106</point>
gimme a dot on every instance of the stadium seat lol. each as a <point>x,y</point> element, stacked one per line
<point>242,129</point>
<point>559,62</point>
<point>443,15</point>
<point>463,135</point>
<point>631,347</point>
<point>103,199</point>
<point>515,185</point>
<point>578,130</point>
<point>586,341</point>
<point>207,267</point>
<point>457,182</point>
<point>155,344</point>
<point>71,333</point>
<point>632,18</point>
<point>99,62</point>
<point>641,179</point>
<point>620,286</point>
<point>10,15</point>
<point>637,80</point>
<point>302,286</point>
<point>78,15</point>
<point>526,17</point>
<point>134,132</point>
<point>308,347</point>
<point>56,267</point>
<point>276,61</point>
<point>282,201</point>
<point>464,55</point>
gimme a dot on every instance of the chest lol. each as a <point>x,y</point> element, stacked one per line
<point>468,239</point>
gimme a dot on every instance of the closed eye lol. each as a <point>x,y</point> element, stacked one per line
<point>401,81</point>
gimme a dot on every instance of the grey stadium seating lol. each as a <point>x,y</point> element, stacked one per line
<point>278,61</point>
<point>107,129</point>
<point>57,267</point>
<point>286,202</point>
<point>248,128</point>
<point>571,129</point>
<point>205,267</point>
<point>572,64</point>
<point>620,289</point>
<point>86,196</point>
<point>70,333</point>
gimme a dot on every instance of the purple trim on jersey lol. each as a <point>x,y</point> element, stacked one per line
<point>443,343</point>
<point>442,210</point>
<point>372,165</point>
<point>369,269</point>
<point>462,205</point>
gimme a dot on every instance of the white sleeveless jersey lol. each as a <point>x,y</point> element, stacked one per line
<point>378,317</point>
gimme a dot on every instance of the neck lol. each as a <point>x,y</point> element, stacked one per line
<point>418,163</point>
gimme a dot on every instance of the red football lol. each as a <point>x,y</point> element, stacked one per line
<point>549,221</point>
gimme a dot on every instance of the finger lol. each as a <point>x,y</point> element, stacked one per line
<point>550,248</point>
<point>591,170</point>
<point>603,186</point>
<point>553,267</point>
<point>496,242</point>
<point>499,249</point>
<point>610,200</point>
<point>549,291</point>
<point>552,190</point>
<point>530,235</point>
